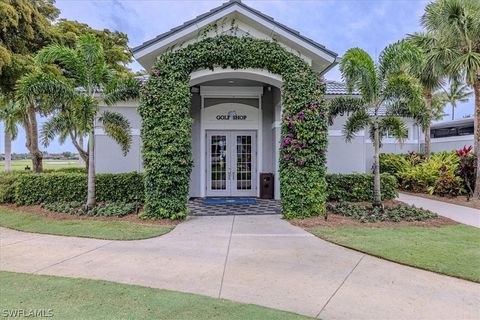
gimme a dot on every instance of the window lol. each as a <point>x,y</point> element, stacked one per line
<point>451,131</point>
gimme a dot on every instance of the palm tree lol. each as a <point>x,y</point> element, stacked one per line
<point>438,106</point>
<point>65,124</point>
<point>456,92</point>
<point>386,95</point>
<point>12,114</point>
<point>74,94</point>
<point>430,74</point>
<point>455,25</point>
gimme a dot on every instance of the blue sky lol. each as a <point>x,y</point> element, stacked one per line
<point>337,24</point>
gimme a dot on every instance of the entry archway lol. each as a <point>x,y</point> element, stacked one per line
<point>166,126</point>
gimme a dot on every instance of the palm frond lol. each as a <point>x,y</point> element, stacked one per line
<point>121,89</point>
<point>11,112</point>
<point>52,88</point>
<point>90,52</point>
<point>359,71</point>
<point>58,125</point>
<point>343,105</point>
<point>405,89</point>
<point>65,57</point>
<point>394,126</point>
<point>84,111</point>
<point>118,128</point>
<point>468,63</point>
<point>357,121</point>
<point>399,56</point>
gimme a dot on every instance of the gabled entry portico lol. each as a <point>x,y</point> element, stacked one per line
<point>232,134</point>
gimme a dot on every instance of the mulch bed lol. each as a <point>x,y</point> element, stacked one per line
<point>460,200</point>
<point>335,220</point>
<point>38,210</point>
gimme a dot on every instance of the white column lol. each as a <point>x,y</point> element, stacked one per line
<point>203,151</point>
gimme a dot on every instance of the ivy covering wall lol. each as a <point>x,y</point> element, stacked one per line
<point>166,130</point>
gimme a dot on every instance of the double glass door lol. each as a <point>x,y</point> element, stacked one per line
<point>231,163</point>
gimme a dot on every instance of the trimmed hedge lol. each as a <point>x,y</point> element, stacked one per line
<point>26,189</point>
<point>69,187</point>
<point>359,187</point>
<point>7,187</point>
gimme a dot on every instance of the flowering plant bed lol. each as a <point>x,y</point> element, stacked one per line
<point>362,214</point>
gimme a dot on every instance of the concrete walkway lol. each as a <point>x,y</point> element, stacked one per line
<point>253,259</point>
<point>455,212</point>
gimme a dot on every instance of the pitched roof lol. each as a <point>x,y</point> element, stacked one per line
<point>224,6</point>
<point>335,88</point>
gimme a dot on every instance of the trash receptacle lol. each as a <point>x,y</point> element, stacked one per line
<point>266,185</point>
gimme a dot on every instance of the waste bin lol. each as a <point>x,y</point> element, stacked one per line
<point>266,185</point>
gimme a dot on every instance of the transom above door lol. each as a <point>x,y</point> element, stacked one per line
<point>231,163</point>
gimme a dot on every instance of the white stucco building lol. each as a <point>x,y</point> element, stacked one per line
<point>237,113</point>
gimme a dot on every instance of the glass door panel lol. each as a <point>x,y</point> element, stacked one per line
<point>231,163</point>
<point>218,164</point>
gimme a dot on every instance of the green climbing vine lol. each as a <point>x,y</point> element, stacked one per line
<point>166,129</point>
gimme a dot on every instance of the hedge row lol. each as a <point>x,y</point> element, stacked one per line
<point>68,187</point>
<point>27,188</point>
<point>359,187</point>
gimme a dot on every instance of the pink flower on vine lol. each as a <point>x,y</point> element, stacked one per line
<point>299,163</point>
<point>287,156</point>
<point>286,142</point>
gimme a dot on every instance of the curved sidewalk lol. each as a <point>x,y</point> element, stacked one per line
<point>455,212</point>
<point>252,259</point>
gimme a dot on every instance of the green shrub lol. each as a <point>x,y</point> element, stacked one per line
<point>119,187</point>
<point>69,187</point>
<point>357,187</point>
<point>8,183</point>
<point>101,210</point>
<point>423,176</point>
<point>392,163</point>
<point>397,213</point>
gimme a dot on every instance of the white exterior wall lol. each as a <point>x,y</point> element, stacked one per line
<point>451,143</point>
<point>342,157</point>
<point>109,157</point>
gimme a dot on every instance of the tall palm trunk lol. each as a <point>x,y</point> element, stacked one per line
<point>8,152</point>
<point>377,196</point>
<point>32,141</point>
<point>83,156</point>
<point>91,170</point>
<point>476,88</point>
<point>454,105</point>
<point>427,97</point>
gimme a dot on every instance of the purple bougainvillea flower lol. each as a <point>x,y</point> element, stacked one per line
<point>287,156</point>
<point>299,163</point>
<point>301,117</point>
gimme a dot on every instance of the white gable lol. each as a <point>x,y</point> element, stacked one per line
<point>235,18</point>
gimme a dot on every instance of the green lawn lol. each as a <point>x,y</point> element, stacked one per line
<point>111,230</point>
<point>19,165</point>
<point>453,250</point>
<point>93,299</point>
